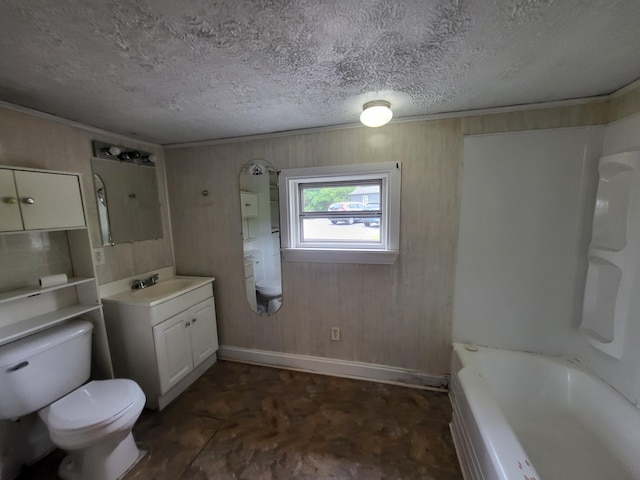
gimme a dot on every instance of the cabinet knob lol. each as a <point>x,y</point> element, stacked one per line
<point>9,200</point>
<point>28,200</point>
<point>187,324</point>
<point>194,320</point>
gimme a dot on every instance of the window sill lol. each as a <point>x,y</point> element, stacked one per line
<point>380,257</point>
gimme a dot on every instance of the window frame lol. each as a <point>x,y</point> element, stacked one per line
<point>294,249</point>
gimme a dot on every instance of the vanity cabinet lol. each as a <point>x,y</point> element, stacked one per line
<point>164,344</point>
<point>36,200</point>
<point>183,342</point>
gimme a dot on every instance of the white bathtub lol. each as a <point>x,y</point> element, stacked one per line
<point>524,416</point>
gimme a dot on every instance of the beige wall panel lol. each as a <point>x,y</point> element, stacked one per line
<point>573,116</point>
<point>624,105</point>
<point>35,142</point>
<point>396,315</point>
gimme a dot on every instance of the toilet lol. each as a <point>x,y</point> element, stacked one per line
<point>270,292</point>
<point>46,373</point>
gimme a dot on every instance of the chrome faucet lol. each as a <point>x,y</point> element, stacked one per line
<point>145,282</point>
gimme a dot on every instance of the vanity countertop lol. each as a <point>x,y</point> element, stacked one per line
<point>164,290</point>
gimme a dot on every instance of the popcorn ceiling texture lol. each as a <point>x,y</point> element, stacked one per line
<point>169,71</point>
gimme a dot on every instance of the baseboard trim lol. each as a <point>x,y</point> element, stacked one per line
<point>337,368</point>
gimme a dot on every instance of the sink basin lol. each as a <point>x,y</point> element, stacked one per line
<point>160,292</point>
<point>162,289</point>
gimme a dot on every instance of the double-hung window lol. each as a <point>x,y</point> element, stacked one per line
<point>341,214</point>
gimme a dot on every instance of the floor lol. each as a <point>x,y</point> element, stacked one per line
<point>248,422</point>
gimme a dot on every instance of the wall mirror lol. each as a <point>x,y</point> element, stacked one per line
<point>261,236</point>
<point>127,199</point>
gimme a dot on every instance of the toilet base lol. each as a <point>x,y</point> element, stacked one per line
<point>104,461</point>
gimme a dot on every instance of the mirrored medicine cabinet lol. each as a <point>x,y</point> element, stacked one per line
<point>126,193</point>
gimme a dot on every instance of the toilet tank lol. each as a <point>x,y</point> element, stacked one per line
<point>37,370</point>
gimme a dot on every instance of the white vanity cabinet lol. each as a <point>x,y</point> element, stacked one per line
<point>37,200</point>
<point>183,342</point>
<point>163,343</point>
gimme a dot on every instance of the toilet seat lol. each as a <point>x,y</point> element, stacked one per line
<point>92,406</point>
<point>270,286</point>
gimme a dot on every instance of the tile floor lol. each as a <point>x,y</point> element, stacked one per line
<point>248,422</point>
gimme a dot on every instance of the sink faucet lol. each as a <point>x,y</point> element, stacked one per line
<point>145,282</point>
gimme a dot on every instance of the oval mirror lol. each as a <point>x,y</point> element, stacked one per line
<point>261,236</point>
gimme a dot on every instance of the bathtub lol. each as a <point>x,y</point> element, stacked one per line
<point>524,416</point>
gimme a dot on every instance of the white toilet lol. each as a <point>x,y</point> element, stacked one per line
<point>270,292</point>
<point>42,372</point>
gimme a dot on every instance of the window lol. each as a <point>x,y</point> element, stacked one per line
<point>343,214</point>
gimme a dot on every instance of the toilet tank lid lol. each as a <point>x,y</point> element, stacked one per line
<point>273,284</point>
<point>26,347</point>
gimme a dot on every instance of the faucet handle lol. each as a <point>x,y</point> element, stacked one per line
<point>154,278</point>
<point>137,284</point>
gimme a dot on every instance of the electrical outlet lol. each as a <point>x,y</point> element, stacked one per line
<point>98,256</point>
<point>335,334</point>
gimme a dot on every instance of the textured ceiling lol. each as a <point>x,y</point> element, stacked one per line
<point>178,71</point>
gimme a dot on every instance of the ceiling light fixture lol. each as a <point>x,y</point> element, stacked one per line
<point>376,113</point>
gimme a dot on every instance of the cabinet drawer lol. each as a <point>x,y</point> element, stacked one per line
<point>179,304</point>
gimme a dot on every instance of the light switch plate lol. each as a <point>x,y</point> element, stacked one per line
<point>98,256</point>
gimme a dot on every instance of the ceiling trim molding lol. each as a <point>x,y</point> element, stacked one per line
<point>421,118</point>
<point>624,90</point>
<point>74,124</point>
<point>305,131</point>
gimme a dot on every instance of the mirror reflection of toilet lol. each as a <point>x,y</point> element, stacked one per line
<point>46,373</point>
<point>269,293</point>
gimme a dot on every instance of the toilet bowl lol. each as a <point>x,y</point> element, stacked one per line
<point>270,292</point>
<point>94,424</point>
<point>45,373</point>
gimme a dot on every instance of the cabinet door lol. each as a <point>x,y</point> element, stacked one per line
<point>249,204</point>
<point>173,350</point>
<point>204,335</point>
<point>10,219</point>
<point>49,200</point>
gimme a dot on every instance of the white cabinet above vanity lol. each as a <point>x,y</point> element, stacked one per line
<point>39,200</point>
<point>163,336</point>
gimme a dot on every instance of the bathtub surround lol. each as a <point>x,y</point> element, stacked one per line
<point>525,198</point>
<point>624,374</point>
<point>520,328</point>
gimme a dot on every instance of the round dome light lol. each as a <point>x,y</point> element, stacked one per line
<point>376,113</point>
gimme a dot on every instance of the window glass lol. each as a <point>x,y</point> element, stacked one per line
<point>330,214</point>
